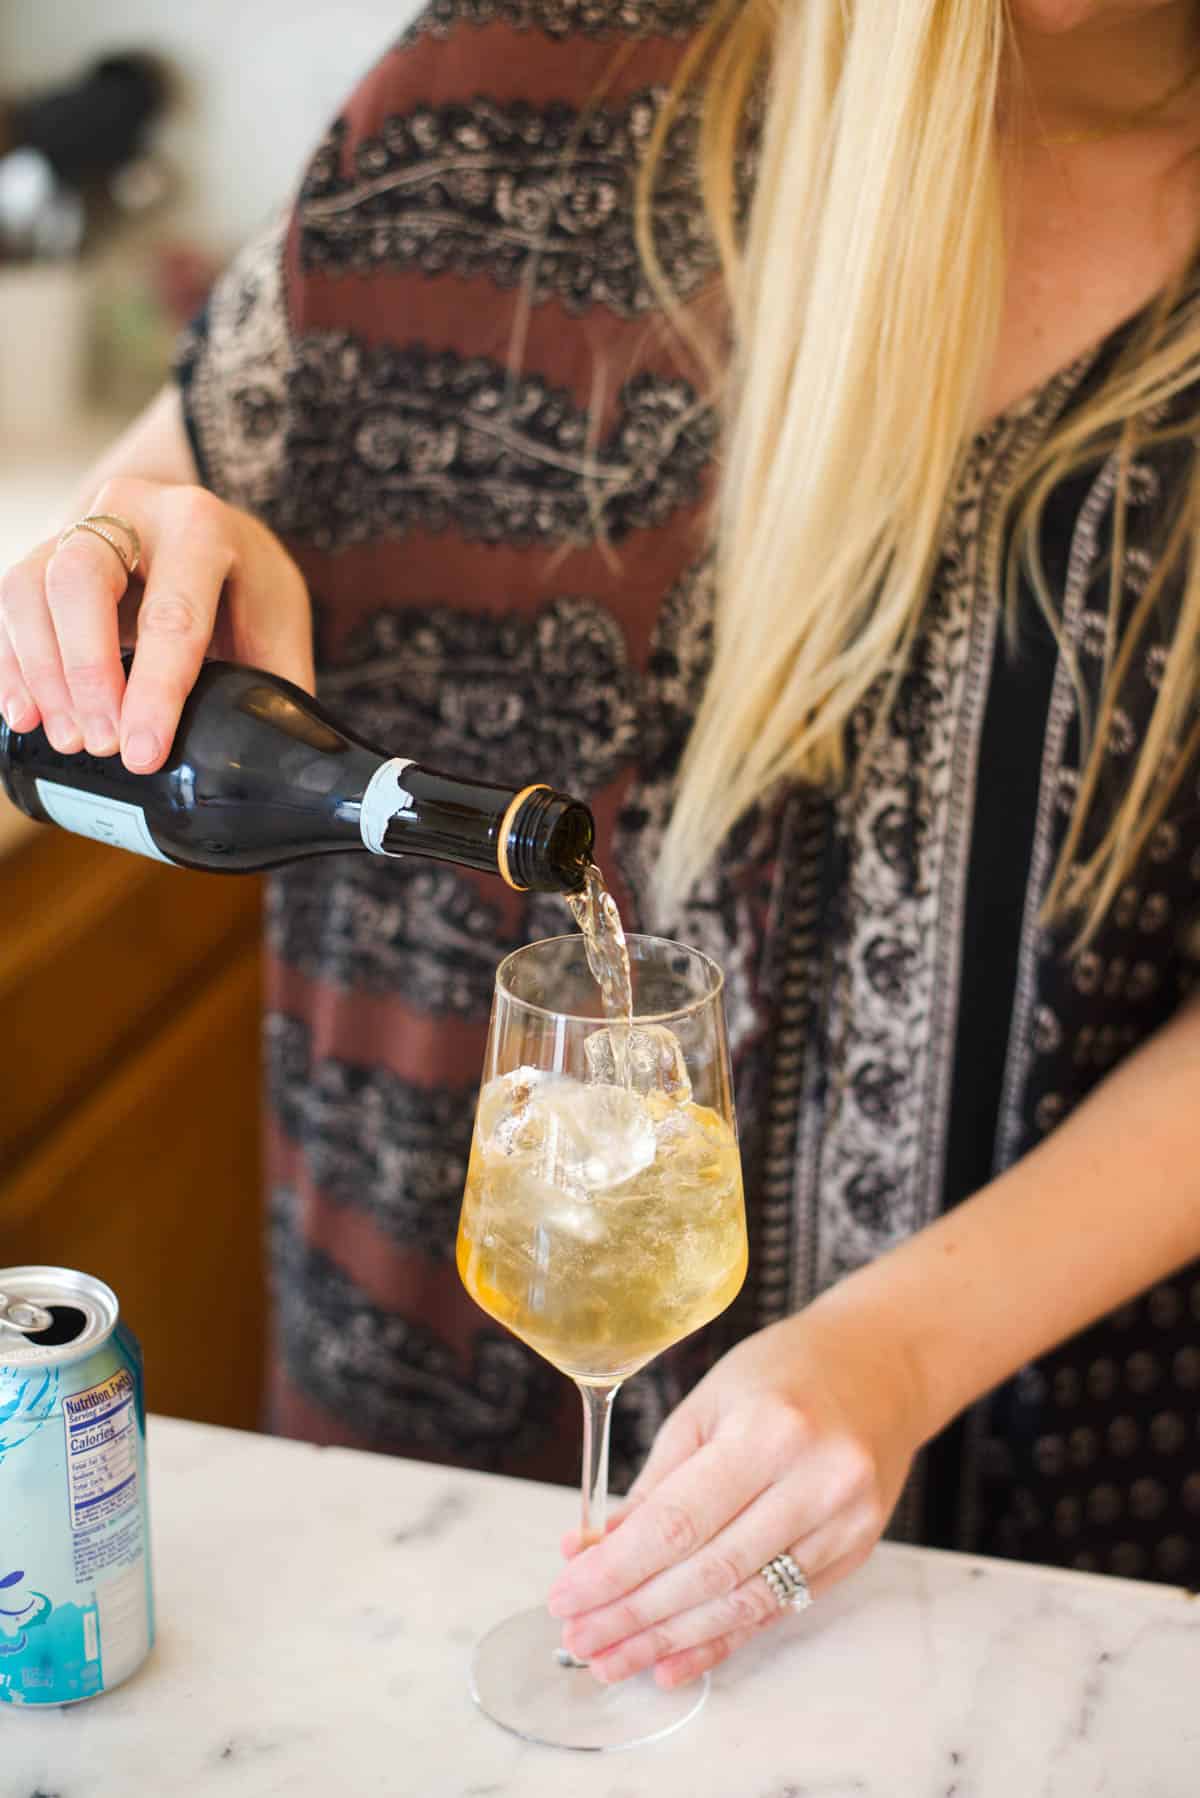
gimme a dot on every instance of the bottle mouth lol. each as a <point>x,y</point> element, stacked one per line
<point>549,842</point>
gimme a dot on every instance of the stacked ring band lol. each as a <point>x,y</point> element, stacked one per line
<point>106,525</point>
<point>788,1583</point>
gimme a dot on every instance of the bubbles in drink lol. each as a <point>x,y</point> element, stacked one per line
<point>653,1061</point>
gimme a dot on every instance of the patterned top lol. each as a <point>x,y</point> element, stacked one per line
<point>444,381</point>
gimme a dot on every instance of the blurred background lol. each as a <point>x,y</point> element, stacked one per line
<point>139,145</point>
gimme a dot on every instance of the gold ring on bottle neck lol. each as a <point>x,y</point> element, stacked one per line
<point>506,824</point>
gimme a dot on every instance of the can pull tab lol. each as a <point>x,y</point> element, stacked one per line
<point>23,1315</point>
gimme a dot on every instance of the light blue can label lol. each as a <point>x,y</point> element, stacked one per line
<point>76,1607</point>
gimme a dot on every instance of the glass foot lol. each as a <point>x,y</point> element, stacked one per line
<point>519,1681</point>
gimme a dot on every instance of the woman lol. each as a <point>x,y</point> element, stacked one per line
<point>938,815</point>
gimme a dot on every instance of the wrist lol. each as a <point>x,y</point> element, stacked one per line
<point>893,1352</point>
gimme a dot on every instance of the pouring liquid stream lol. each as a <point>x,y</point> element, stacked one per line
<point>595,912</point>
<point>599,921</point>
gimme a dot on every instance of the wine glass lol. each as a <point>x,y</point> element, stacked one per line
<point>602,1221</point>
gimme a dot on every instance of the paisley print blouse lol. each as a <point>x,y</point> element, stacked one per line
<point>443,379</point>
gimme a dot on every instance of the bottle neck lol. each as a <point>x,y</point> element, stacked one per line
<point>548,839</point>
<point>441,817</point>
<point>534,838</point>
<point>384,798</point>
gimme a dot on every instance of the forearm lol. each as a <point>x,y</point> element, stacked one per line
<point>154,447</point>
<point>1102,1209</point>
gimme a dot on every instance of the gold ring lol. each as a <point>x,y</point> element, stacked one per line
<point>102,525</point>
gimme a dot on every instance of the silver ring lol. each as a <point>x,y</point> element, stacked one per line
<point>788,1583</point>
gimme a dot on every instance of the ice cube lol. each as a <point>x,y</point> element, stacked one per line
<point>692,1147</point>
<point>502,1112</point>
<point>577,1138</point>
<point>653,1056</point>
<point>579,1219</point>
<point>603,1135</point>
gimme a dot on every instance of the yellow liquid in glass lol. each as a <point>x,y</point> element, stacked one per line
<point>601,1282</point>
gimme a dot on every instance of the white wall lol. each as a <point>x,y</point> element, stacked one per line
<point>261,79</point>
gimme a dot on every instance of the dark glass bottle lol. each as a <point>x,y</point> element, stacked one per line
<point>259,774</point>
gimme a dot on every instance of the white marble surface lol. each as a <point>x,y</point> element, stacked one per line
<point>317,1610</point>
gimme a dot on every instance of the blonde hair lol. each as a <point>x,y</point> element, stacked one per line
<point>864,296</point>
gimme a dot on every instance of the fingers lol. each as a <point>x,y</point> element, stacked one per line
<point>30,636</point>
<point>678,1517</point>
<point>706,1487</point>
<point>678,1438</point>
<point>717,1572</point>
<point>748,1606</point>
<point>573,1542</point>
<point>59,611</point>
<point>270,610</point>
<point>827,1554</point>
<point>17,704</point>
<point>83,584</point>
<point>190,555</point>
<point>61,616</point>
<point>678,1669</point>
<point>690,1663</point>
<point>685,1565</point>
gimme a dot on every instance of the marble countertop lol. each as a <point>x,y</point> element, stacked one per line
<point>317,1610</point>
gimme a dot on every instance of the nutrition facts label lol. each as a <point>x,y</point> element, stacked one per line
<point>101,1428</point>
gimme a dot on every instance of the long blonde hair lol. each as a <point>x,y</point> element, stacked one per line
<point>864,296</point>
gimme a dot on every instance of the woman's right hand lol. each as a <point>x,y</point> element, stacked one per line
<point>211,578</point>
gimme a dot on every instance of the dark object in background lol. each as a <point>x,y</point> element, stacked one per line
<point>95,126</point>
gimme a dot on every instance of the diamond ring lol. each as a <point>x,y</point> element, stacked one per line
<point>788,1583</point>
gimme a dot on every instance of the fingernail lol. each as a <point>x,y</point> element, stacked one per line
<point>141,747</point>
<point>63,732</point>
<point>100,735</point>
<point>13,708</point>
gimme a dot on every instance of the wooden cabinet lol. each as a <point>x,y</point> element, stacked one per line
<point>129,1106</point>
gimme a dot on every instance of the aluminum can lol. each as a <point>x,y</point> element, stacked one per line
<point>76,1597</point>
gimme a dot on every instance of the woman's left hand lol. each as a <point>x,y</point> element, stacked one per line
<point>798,1441</point>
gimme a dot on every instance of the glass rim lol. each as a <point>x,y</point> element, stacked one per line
<point>716,974</point>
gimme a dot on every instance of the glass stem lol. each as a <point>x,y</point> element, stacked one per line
<point>597,1416</point>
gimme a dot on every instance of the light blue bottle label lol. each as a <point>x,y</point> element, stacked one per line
<point>76,1611</point>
